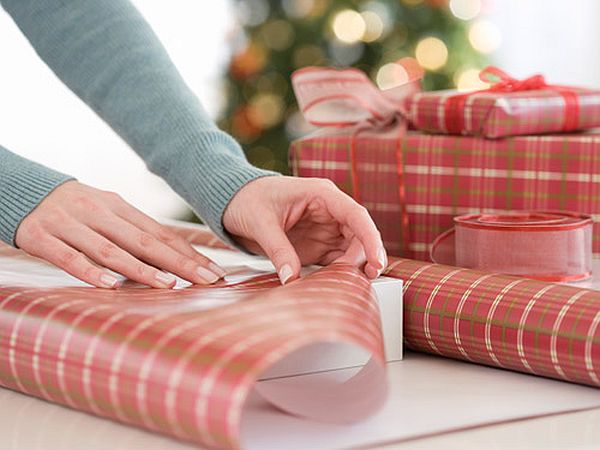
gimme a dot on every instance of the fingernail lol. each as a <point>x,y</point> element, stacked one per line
<point>108,280</point>
<point>216,269</point>
<point>382,258</point>
<point>372,272</point>
<point>207,275</point>
<point>165,278</point>
<point>285,273</point>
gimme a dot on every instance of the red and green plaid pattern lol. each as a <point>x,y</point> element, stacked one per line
<point>179,362</point>
<point>514,323</point>
<point>446,176</point>
<point>529,326</point>
<point>494,115</point>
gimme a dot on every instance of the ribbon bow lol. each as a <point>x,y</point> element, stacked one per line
<point>340,98</point>
<point>502,82</point>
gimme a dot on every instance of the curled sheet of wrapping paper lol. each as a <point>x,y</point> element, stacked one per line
<point>530,326</point>
<point>504,321</point>
<point>182,362</point>
<point>546,246</point>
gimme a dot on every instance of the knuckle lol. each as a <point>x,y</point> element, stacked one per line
<point>184,263</point>
<point>110,195</point>
<point>67,258</point>
<point>86,203</point>
<point>141,271</point>
<point>90,273</point>
<point>108,250</point>
<point>166,235</point>
<point>145,239</point>
<point>324,183</point>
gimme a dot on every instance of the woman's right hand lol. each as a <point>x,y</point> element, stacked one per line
<point>84,230</point>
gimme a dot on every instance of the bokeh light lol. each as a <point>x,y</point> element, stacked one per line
<point>431,53</point>
<point>249,61</point>
<point>465,9</point>
<point>384,13</point>
<point>253,13</point>
<point>266,110</point>
<point>298,9</point>
<point>345,54</point>
<point>391,75</point>
<point>277,34</point>
<point>308,55</point>
<point>485,36</point>
<point>468,80</point>
<point>349,26</point>
<point>373,26</point>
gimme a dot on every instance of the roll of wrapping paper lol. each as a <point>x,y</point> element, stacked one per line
<point>182,362</point>
<point>547,246</point>
<point>530,326</point>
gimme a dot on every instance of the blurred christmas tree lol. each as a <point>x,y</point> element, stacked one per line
<point>384,38</point>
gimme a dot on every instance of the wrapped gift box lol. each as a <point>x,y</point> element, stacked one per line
<point>510,107</point>
<point>428,179</point>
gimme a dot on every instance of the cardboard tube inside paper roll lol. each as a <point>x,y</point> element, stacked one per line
<point>182,362</point>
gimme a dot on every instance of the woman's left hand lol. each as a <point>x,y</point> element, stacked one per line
<point>300,221</point>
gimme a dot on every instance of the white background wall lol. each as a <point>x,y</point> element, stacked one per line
<point>42,120</point>
<point>559,38</point>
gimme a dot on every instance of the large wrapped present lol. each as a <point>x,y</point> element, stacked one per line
<point>510,107</point>
<point>414,184</point>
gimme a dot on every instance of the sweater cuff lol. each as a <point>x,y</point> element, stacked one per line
<point>22,188</point>
<point>210,196</point>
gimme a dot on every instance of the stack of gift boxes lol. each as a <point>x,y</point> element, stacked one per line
<point>519,145</point>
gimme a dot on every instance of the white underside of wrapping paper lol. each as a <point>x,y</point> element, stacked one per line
<point>325,356</point>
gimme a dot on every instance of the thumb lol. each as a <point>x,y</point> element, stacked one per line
<point>280,251</point>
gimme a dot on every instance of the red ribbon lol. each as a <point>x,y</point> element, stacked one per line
<point>347,98</point>
<point>502,82</point>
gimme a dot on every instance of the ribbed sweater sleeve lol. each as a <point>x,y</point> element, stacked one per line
<point>108,55</point>
<point>23,185</point>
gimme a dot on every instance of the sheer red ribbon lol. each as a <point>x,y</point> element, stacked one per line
<point>502,82</point>
<point>543,245</point>
<point>347,98</point>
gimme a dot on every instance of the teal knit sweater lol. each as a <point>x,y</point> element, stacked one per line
<point>107,54</point>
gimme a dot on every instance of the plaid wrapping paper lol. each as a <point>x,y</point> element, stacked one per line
<point>498,114</point>
<point>536,327</point>
<point>445,176</point>
<point>514,323</point>
<point>179,362</point>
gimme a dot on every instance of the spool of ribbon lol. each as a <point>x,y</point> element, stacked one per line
<point>547,246</point>
<point>454,116</point>
<point>347,98</point>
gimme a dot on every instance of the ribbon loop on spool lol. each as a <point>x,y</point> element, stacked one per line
<point>549,246</point>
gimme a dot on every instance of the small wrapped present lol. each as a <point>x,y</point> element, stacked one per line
<point>414,184</point>
<point>510,107</point>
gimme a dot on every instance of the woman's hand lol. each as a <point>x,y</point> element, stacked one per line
<point>81,230</point>
<point>297,221</point>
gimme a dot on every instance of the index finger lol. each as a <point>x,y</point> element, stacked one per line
<point>348,212</point>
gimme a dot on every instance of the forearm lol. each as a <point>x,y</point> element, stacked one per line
<point>108,55</point>
<point>23,185</point>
